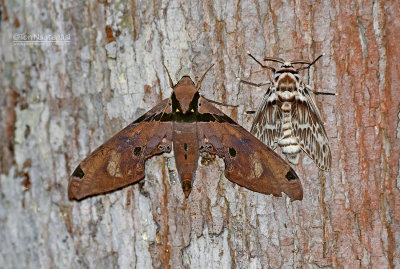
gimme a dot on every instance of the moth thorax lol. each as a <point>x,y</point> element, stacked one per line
<point>287,82</point>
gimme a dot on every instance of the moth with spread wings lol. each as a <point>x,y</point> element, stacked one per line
<point>289,117</point>
<point>189,124</point>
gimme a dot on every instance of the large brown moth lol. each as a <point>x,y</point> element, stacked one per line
<point>189,124</point>
<point>289,117</point>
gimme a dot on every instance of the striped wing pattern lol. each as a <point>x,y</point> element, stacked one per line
<point>308,127</point>
<point>306,123</point>
<point>267,124</point>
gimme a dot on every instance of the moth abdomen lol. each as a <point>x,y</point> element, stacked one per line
<point>288,142</point>
<point>293,158</point>
<point>187,184</point>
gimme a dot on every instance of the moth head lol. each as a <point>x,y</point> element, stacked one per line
<point>185,91</point>
<point>289,66</point>
<point>184,81</point>
<point>286,67</point>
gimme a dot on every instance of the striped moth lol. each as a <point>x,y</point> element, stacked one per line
<point>288,115</point>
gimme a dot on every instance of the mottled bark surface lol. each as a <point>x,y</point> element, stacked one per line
<point>60,101</point>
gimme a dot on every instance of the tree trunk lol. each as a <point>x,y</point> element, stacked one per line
<point>61,100</point>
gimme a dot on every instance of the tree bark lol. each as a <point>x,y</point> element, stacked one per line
<point>59,101</point>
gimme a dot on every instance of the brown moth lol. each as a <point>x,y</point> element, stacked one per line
<point>189,124</point>
<point>289,117</point>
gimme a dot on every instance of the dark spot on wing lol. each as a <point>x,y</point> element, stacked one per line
<point>232,152</point>
<point>137,150</point>
<point>290,175</point>
<point>78,172</point>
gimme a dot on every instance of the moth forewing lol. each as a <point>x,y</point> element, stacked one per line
<point>288,115</point>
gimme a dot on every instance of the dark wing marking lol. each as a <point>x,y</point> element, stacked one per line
<point>308,127</point>
<point>120,161</point>
<point>267,124</point>
<point>157,112</point>
<point>248,161</point>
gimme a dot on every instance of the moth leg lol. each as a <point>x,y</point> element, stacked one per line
<point>321,93</point>
<point>164,146</point>
<point>254,84</point>
<point>214,146</point>
<point>206,146</point>
<point>218,103</point>
<point>154,146</point>
<point>263,66</point>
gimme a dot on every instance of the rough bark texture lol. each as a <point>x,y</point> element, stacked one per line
<point>59,102</point>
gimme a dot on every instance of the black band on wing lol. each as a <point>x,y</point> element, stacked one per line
<point>193,117</point>
<point>177,116</point>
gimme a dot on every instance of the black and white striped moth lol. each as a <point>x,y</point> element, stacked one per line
<point>288,115</point>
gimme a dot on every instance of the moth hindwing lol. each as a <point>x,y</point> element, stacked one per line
<point>192,126</point>
<point>288,115</point>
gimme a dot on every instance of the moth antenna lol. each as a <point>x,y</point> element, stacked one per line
<point>308,64</point>
<point>300,62</point>
<point>199,83</point>
<point>171,83</point>
<point>263,66</point>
